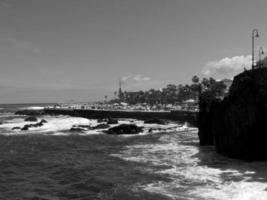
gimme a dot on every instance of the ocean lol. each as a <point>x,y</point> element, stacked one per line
<point>52,163</point>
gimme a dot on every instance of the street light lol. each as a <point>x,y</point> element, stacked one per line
<point>261,52</point>
<point>255,33</point>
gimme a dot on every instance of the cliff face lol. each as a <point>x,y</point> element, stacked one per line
<point>238,124</point>
<point>206,104</point>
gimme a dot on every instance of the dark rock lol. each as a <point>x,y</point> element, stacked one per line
<point>207,106</point>
<point>31,119</point>
<point>16,128</point>
<point>125,129</point>
<point>238,123</point>
<point>155,121</point>
<point>25,127</point>
<point>30,112</point>
<point>112,121</point>
<point>43,121</point>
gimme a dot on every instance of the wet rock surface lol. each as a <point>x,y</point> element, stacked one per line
<point>27,126</point>
<point>124,129</point>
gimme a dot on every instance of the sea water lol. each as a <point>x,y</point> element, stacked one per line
<point>52,163</point>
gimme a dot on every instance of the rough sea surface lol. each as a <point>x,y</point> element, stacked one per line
<point>51,163</point>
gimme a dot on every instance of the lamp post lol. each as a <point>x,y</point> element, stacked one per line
<point>255,33</point>
<point>261,52</point>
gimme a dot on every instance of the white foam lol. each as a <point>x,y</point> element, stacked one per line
<point>203,182</point>
<point>55,124</point>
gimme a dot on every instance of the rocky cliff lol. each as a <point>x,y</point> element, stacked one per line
<point>237,125</point>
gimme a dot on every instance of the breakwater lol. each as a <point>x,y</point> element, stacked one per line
<point>179,116</point>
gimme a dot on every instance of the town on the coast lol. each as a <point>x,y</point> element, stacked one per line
<point>170,98</point>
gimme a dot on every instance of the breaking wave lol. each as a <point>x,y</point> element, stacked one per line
<point>197,173</point>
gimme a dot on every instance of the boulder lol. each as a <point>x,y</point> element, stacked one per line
<point>125,129</point>
<point>25,127</point>
<point>155,121</point>
<point>31,119</point>
<point>43,121</point>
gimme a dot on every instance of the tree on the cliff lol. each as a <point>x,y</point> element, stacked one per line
<point>213,87</point>
<point>195,79</point>
<point>196,87</point>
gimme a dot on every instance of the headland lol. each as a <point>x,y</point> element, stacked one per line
<point>236,125</point>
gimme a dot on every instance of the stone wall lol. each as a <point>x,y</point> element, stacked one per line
<point>180,116</point>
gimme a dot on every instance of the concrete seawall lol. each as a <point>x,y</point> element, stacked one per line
<point>180,116</point>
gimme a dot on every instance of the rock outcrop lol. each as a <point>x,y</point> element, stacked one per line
<point>124,129</point>
<point>237,124</point>
<point>27,126</point>
<point>207,105</point>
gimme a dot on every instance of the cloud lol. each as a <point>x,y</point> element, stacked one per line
<point>140,82</point>
<point>125,78</point>
<point>137,78</point>
<point>227,67</point>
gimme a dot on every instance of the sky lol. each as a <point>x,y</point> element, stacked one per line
<point>63,50</point>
